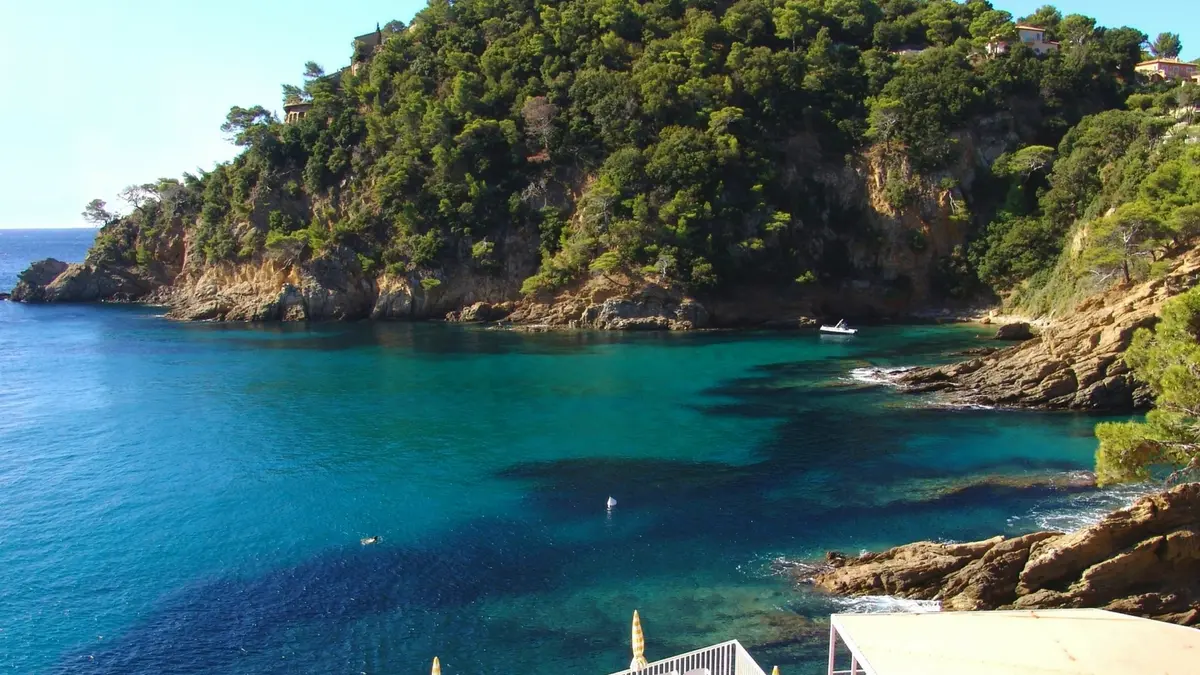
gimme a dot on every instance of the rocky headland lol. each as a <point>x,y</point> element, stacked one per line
<point>1142,560</point>
<point>158,255</point>
<point>1073,363</point>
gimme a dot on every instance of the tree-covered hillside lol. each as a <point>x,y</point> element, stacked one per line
<point>1122,197</point>
<point>697,142</point>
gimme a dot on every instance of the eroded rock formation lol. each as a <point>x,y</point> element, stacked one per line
<point>617,304</point>
<point>1143,560</point>
<point>1075,363</point>
<point>52,280</point>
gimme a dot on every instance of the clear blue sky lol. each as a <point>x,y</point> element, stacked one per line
<point>99,95</point>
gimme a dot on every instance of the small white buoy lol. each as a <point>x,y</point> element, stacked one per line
<point>611,503</point>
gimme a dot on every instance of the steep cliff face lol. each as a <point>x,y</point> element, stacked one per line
<point>921,223</point>
<point>331,286</point>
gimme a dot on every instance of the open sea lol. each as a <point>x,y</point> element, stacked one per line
<point>190,498</point>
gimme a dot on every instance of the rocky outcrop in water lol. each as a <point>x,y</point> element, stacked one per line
<point>1143,560</point>
<point>52,280</point>
<point>1075,363</point>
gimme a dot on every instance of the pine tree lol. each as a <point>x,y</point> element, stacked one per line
<point>1168,360</point>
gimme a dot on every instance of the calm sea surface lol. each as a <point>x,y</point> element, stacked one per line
<point>189,498</point>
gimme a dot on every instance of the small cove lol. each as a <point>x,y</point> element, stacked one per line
<point>190,497</point>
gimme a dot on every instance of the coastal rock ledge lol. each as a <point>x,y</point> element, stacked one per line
<point>1142,560</point>
<point>1075,363</point>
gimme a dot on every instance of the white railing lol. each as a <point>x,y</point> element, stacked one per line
<point>727,658</point>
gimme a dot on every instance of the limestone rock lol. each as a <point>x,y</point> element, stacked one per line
<point>1150,517</point>
<point>326,287</point>
<point>1014,331</point>
<point>616,304</point>
<point>481,311</point>
<point>1076,363</point>
<point>652,308</point>
<point>56,281</point>
<point>1142,560</point>
<point>910,571</point>
<point>31,284</point>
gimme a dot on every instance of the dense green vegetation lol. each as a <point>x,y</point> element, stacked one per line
<point>1121,195</point>
<point>1168,359</point>
<point>703,142</point>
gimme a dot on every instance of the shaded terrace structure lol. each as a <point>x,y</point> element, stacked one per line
<point>1060,641</point>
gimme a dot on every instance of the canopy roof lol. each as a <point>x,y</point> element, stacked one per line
<point>1060,641</point>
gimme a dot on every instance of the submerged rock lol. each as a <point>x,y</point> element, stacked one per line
<point>1142,560</point>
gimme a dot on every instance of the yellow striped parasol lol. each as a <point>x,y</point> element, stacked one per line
<point>437,667</point>
<point>775,670</point>
<point>639,644</point>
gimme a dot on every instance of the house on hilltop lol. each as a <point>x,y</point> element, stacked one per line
<point>1030,36</point>
<point>367,44</point>
<point>294,111</point>
<point>1168,70</point>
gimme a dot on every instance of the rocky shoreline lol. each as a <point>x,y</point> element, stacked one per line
<point>1072,364</point>
<point>333,287</point>
<point>269,292</point>
<point>1142,560</point>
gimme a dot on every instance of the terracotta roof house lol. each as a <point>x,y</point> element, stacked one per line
<point>1168,69</point>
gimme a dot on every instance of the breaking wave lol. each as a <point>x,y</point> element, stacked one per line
<point>1078,511</point>
<point>877,604</point>
<point>876,374</point>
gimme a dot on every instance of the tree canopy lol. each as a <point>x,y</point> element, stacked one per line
<point>1166,46</point>
<point>705,144</point>
<point>1167,358</point>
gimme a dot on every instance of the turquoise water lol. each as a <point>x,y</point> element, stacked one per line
<point>189,498</point>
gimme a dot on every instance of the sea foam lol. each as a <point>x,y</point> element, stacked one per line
<point>876,604</point>
<point>1078,511</point>
<point>876,374</point>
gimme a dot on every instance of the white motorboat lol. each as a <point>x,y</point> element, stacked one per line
<point>839,328</point>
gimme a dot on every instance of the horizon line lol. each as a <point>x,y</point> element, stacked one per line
<point>49,227</point>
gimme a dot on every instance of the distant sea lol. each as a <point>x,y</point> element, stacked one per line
<point>190,498</point>
<point>18,248</point>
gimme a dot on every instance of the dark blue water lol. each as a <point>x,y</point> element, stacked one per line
<point>189,498</point>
